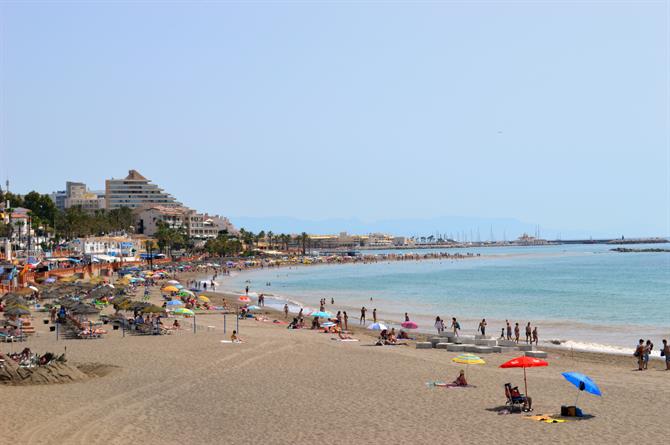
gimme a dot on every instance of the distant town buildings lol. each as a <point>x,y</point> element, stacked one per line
<point>76,194</point>
<point>193,224</point>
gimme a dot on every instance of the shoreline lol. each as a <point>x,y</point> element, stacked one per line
<point>587,342</point>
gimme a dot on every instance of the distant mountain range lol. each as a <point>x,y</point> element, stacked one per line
<point>458,227</point>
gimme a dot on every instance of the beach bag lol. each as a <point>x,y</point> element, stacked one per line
<point>636,354</point>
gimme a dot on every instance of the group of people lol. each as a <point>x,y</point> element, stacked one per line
<point>531,333</point>
<point>643,353</point>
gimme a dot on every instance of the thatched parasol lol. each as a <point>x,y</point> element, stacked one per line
<point>84,309</point>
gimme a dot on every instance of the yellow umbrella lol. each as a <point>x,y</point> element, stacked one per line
<point>203,299</point>
<point>170,289</point>
<point>467,360</point>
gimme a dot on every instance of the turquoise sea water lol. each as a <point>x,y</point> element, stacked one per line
<point>586,294</point>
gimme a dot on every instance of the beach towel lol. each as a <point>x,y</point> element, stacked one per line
<point>446,385</point>
<point>230,341</point>
<point>545,419</point>
<point>345,339</point>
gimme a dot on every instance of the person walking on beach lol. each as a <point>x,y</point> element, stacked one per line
<point>482,327</point>
<point>406,317</point>
<point>374,315</point>
<point>529,338</point>
<point>300,313</point>
<point>439,325</point>
<point>509,330</point>
<point>345,317</point>
<point>535,339</point>
<point>639,354</point>
<point>647,352</point>
<point>665,352</point>
<point>502,333</point>
<point>246,291</point>
<point>455,326</point>
<point>516,332</point>
<point>332,300</point>
<point>285,311</point>
<point>362,320</point>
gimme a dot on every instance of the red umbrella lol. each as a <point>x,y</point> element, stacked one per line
<point>409,325</point>
<point>244,298</point>
<point>524,362</point>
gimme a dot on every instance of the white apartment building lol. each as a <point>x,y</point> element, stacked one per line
<point>136,191</point>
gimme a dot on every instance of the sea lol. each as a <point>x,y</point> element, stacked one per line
<point>585,297</point>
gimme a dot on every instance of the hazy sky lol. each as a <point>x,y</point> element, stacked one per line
<point>550,112</point>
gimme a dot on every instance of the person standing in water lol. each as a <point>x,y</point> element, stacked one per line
<point>535,339</point>
<point>455,326</point>
<point>286,311</point>
<point>482,327</point>
<point>374,315</point>
<point>509,330</point>
<point>529,337</point>
<point>406,317</point>
<point>362,320</point>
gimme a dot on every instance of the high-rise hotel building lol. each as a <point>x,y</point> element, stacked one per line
<point>135,191</point>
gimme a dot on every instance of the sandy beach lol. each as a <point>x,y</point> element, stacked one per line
<point>284,386</point>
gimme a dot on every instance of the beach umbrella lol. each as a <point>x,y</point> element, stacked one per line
<point>84,309</point>
<point>244,299</point>
<point>254,308</point>
<point>467,360</point>
<point>33,288</point>
<point>173,282</point>
<point>178,286</point>
<point>203,298</point>
<point>183,311</point>
<point>583,383</point>
<point>524,362</point>
<point>186,293</point>
<point>321,314</point>
<point>17,310</point>
<point>327,324</point>
<point>153,309</point>
<point>170,289</point>
<point>175,303</point>
<point>409,325</point>
<point>377,327</point>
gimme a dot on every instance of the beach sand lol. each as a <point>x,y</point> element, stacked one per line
<point>284,386</point>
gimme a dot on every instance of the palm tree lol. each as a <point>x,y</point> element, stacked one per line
<point>270,238</point>
<point>304,238</point>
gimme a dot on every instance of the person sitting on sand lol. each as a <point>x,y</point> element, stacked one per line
<point>176,324</point>
<point>391,339</point>
<point>403,335</point>
<point>293,324</point>
<point>460,380</point>
<point>236,338</point>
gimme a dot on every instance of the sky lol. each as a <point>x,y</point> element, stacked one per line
<point>551,112</point>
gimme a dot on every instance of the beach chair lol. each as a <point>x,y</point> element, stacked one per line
<point>519,401</point>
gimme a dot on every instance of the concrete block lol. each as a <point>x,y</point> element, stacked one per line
<point>525,347</point>
<point>470,348</point>
<point>502,342</point>
<point>435,340</point>
<point>455,348</point>
<point>446,334</point>
<point>483,337</point>
<point>467,340</point>
<point>485,342</point>
<point>503,349</point>
<point>442,346</point>
<point>424,345</point>
<point>483,349</point>
<point>536,354</point>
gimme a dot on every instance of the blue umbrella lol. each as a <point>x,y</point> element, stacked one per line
<point>175,303</point>
<point>320,314</point>
<point>583,382</point>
